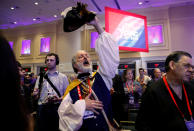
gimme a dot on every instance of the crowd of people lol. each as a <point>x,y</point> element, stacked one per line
<point>92,100</point>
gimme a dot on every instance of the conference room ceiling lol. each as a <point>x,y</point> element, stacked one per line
<point>14,13</point>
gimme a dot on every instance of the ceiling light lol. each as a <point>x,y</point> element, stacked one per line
<point>55,16</point>
<point>140,3</point>
<point>36,19</point>
<point>15,22</point>
<point>36,3</point>
<point>12,8</point>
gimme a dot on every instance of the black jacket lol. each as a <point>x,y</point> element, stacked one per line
<point>158,111</point>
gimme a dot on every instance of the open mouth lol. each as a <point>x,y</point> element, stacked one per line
<point>86,62</point>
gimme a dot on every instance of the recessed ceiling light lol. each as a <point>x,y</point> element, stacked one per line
<point>140,3</point>
<point>36,19</point>
<point>36,3</point>
<point>55,16</point>
<point>15,22</point>
<point>12,8</point>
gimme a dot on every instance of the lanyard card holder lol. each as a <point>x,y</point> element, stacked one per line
<point>190,125</point>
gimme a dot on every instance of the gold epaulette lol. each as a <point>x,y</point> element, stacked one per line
<point>74,84</point>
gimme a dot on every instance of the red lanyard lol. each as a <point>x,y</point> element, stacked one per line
<point>90,90</point>
<point>128,87</point>
<point>187,100</point>
<point>79,91</point>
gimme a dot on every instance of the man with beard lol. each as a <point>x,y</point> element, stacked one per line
<point>49,90</point>
<point>78,110</point>
<point>167,105</point>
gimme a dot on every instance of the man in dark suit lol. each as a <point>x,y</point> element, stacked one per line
<point>166,106</point>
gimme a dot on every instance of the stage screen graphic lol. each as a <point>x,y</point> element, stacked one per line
<point>129,29</point>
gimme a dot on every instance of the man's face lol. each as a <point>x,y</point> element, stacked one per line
<point>83,62</point>
<point>192,75</point>
<point>183,68</point>
<point>51,62</point>
<point>141,72</point>
<point>157,73</point>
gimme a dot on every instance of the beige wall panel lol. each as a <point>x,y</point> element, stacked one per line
<point>67,43</point>
<point>33,33</point>
<point>182,29</point>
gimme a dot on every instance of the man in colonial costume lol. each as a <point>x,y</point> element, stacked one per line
<point>79,109</point>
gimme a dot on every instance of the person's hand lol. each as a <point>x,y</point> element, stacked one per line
<point>93,22</point>
<point>54,98</point>
<point>96,25</point>
<point>35,92</point>
<point>92,105</point>
<point>112,91</point>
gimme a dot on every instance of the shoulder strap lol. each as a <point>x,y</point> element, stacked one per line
<point>40,83</point>
<point>46,77</point>
<point>74,84</point>
<point>40,80</point>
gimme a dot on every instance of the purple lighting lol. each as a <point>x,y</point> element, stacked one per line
<point>94,36</point>
<point>155,36</point>
<point>11,44</point>
<point>25,47</point>
<point>45,45</point>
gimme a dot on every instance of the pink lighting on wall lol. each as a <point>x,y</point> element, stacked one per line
<point>45,45</point>
<point>25,47</point>
<point>155,36</point>
<point>94,36</point>
<point>11,44</point>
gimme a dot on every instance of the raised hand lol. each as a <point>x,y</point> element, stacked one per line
<point>96,24</point>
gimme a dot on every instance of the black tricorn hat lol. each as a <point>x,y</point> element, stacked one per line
<point>75,17</point>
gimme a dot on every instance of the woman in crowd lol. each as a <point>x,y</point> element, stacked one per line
<point>132,88</point>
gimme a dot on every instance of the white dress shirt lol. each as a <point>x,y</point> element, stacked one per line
<point>58,79</point>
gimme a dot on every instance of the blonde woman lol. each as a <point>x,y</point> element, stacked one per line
<point>132,88</point>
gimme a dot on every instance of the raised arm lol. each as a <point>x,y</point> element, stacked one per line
<point>108,53</point>
<point>96,25</point>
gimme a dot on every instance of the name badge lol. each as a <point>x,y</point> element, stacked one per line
<point>88,114</point>
<point>190,125</point>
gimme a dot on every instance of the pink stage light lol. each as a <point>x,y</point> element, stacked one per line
<point>11,44</point>
<point>129,29</point>
<point>45,45</point>
<point>155,36</point>
<point>25,47</point>
<point>94,36</point>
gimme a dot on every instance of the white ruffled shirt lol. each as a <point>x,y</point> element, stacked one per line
<point>71,115</point>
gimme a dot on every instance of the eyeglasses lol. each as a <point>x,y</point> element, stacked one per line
<point>186,65</point>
